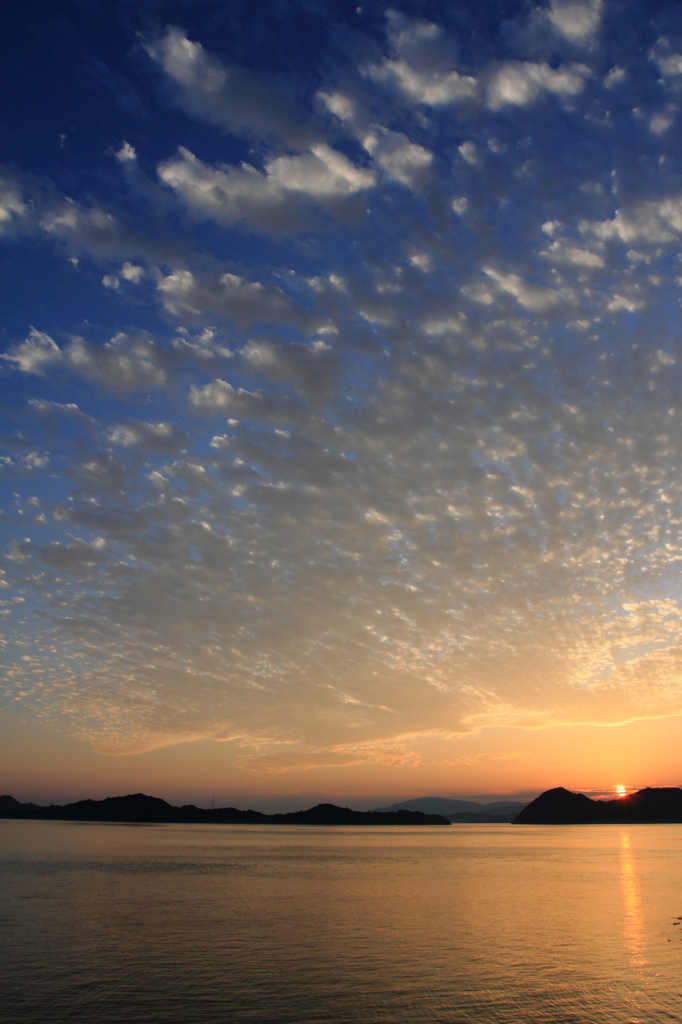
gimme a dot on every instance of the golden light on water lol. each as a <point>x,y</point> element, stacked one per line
<point>634,922</point>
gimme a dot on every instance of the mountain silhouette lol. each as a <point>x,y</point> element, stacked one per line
<point>561,807</point>
<point>462,811</point>
<point>139,808</point>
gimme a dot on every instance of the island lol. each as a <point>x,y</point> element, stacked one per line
<point>137,808</point>
<point>645,807</point>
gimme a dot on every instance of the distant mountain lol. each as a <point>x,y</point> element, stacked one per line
<point>460,811</point>
<point>561,807</point>
<point>138,807</point>
<point>329,814</point>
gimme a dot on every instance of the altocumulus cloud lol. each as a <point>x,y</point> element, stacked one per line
<point>376,435</point>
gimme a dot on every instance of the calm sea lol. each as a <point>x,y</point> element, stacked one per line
<point>474,923</point>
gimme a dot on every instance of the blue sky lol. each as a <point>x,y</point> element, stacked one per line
<point>341,374</point>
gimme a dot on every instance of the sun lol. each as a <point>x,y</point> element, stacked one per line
<point>620,791</point>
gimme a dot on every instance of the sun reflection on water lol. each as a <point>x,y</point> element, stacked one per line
<point>634,921</point>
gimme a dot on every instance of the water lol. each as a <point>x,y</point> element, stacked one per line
<point>479,924</point>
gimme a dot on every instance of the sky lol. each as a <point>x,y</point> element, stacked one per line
<point>341,378</point>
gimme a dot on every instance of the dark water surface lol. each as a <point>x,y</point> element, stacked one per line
<point>472,924</point>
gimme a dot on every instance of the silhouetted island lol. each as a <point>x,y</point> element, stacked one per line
<point>138,808</point>
<point>561,807</point>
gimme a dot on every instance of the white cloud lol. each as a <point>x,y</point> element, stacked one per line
<point>576,20</point>
<point>569,255</point>
<point>423,260</point>
<point>615,77</point>
<point>34,354</point>
<point>469,152</point>
<point>221,442</point>
<point>34,207</point>
<point>233,97</point>
<point>419,67</point>
<point>126,154</point>
<point>449,325</point>
<point>128,272</point>
<point>404,161</point>
<point>432,88</point>
<point>532,296</point>
<point>67,409</point>
<point>94,227</point>
<point>519,83</point>
<point>270,201</point>
<point>671,65</point>
<point>221,397</point>
<point>660,123</point>
<point>151,436</point>
<point>340,105</point>
<point>12,205</point>
<point>621,302</point>
<point>323,173</point>
<point>228,194</point>
<point>653,222</point>
<point>132,273</point>
<point>668,63</point>
<point>187,295</point>
<point>125,363</point>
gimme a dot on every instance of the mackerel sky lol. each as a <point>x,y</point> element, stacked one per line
<point>341,372</point>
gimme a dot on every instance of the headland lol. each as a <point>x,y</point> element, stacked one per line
<point>645,807</point>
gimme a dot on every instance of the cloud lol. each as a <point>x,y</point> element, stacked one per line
<point>402,160</point>
<point>621,302</point>
<point>165,437</point>
<point>535,297</point>
<point>424,86</point>
<point>126,154</point>
<point>35,353</point>
<point>576,20</point>
<point>391,754</point>
<point>219,397</point>
<point>413,473</point>
<point>572,256</point>
<point>518,83</point>
<point>70,410</point>
<point>81,228</point>
<point>419,65</point>
<point>13,209</point>
<point>232,97</point>
<point>670,66</point>
<point>73,558</point>
<point>189,296</point>
<point>123,364</point>
<point>653,222</point>
<point>128,272</point>
<point>31,207</point>
<point>324,173</point>
<point>277,200</point>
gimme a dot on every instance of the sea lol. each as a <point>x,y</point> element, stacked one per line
<point>471,924</point>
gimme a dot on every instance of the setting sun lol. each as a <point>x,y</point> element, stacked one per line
<point>620,791</point>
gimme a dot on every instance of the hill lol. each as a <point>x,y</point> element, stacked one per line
<point>137,807</point>
<point>461,811</point>
<point>561,807</point>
